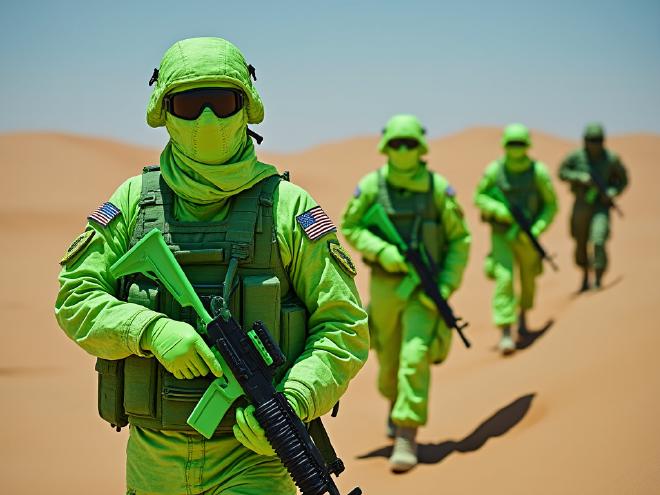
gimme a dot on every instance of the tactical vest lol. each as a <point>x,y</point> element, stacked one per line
<point>519,189</point>
<point>140,391</point>
<point>415,216</point>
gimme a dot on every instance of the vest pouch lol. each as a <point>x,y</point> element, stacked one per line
<point>143,291</point>
<point>141,382</point>
<point>178,398</point>
<point>434,240</point>
<point>261,301</point>
<point>293,331</point>
<point>111,391</point>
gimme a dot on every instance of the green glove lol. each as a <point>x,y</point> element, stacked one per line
<point>583,178</point>
<point>180,349</point>
<point>391,259</point>
<point>537,230</point>
<point>612,192</point>
<point>249,432</point>
<point>502,214</point>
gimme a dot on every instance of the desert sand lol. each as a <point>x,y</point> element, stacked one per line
<point>575,411</point>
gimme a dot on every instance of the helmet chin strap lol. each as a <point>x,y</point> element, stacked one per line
<point>254,135</point>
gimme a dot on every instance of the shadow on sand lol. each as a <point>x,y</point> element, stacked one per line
<point>497,425</point>
<point>528,338</point>
<point>606,286</point>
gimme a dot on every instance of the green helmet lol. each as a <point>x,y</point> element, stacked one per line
<point>403,126</point>
<point>516,133</point>
<point>594,130</point>
<point>198,62</point>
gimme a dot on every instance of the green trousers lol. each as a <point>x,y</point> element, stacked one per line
<point>408,337</point>
<point>590,226</point>
<point>505,258</point>
<point>175,463</point>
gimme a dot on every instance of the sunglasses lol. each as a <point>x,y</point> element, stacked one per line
<point>188,105</point>
<point>594,140</point>
<point>516,144</point>
<point>397,143</point>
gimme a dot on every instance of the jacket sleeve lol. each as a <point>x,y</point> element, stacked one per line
<point>618,179</point>
<point>568,172</point>
<point>337,333</point>
<point>86,307</point>
<point>457,236</point>
<point>490,206</point>
<point>363,240</point>
<point>549,197</point>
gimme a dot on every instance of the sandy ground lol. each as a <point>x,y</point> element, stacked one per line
<point>575,411</point>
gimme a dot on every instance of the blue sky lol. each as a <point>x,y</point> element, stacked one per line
<point>330,70</point>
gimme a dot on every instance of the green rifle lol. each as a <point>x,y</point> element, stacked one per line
<point>421,268</point>
<point>249,361</point>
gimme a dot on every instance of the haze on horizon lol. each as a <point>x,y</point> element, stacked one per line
<point>332,71</point>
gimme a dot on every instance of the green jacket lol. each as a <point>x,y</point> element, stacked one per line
<point>338,338</point>
<point>492,205</point>
<point>609,169</point>
<point>456,234</point>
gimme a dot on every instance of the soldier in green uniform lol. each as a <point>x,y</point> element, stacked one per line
<point>583,169</point>
<point>514,179</point>
<point>408,335</point>
<point>213,200</point>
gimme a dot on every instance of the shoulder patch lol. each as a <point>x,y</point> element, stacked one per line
<point>315,223</point>
<point>450,191</point>
<point>357,192</point>
<point>342,257</point>
<point>105,214</point>
<point>77,246</point>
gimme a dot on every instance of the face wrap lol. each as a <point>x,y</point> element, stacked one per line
<point>403,159</point>
<point>210,159</point>
<point>208,139</point>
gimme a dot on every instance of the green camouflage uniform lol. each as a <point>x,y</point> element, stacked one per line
<point>205,179</point>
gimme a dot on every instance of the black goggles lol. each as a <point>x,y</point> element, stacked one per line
<point>516,144</point>
<point>594,140</point>
<point>397,143</point>
<point>188,105</point>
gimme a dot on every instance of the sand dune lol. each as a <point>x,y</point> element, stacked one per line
<point>575,411</point>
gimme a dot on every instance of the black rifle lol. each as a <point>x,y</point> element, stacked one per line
<point>526,226</point>
<point>602,191</point>
<point>285,431</point>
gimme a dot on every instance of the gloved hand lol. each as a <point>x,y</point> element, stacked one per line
<point>249,432</point>
<point>612,192</point>
<point>391,260</point>
<point>537,230</point>
<point>583,178</point>
<point>502,214</point>
<point>180,349</point>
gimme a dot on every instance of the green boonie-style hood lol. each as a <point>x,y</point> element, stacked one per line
<point>198,62</point>
<point>403,126</point>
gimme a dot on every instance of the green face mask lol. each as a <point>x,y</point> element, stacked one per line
<point>208,139</point>
<point>403,159</point>
<point>515,153</point>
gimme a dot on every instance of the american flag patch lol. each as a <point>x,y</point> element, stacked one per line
<point>315,223</point>
<point>104,214</point>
